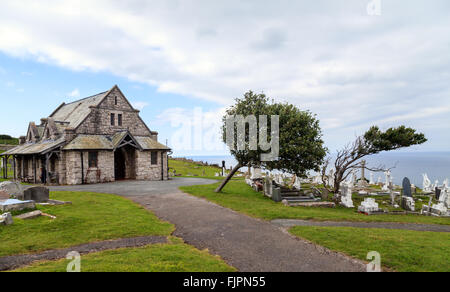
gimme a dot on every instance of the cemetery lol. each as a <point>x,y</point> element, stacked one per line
<point>365,196</point>
<point>402,250</point>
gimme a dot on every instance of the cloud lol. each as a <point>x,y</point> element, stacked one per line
<point>193,129</point>
<point>74,93</point>
<point>326,56</point>
<point>140,105</point>
<point>10,84</point>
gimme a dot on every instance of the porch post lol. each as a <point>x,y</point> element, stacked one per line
<point>82,168</point>
<point>5,167</point>
<point>47,178</point>
<point>162,165</point>
<point>14,167</point>
<point>34,168</point>
<point>22,172</point>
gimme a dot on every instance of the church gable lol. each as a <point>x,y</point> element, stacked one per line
<point>33,133</point>
<point>116,100</point>
<point>114,113</point>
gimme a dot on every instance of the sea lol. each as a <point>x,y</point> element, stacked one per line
<point>404,164</point>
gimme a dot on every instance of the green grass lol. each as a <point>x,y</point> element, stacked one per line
<point>10,171</point>
<point>13,141</point>
<point>189,169</point>
<point>92,217</point>
<point>400,250</point>
<point>175,257</point>
<point>240,197</point>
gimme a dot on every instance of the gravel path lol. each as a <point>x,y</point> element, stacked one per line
<point>287,223</point>
<point>248,244</point>
<point>16,261</point>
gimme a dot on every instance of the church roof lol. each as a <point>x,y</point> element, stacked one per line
<point>148,143</point>
<point>104,142</point>
<point>74,113</point>
<point>35,148</point>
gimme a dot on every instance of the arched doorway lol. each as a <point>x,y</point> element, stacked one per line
<point>125,163</point>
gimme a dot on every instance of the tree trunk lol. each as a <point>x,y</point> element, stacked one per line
<point>227,179</point>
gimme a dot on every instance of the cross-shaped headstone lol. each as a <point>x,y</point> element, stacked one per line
<point>363,168</point>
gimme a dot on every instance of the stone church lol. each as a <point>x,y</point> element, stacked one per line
<point>97,139</point>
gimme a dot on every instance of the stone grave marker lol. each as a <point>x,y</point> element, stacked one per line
<point>438,193</point>
<point>4,196</point>
<point>6,219</point>
<point>407,187</point>
<point>37,194</point>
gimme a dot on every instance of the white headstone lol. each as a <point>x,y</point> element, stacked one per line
<point>279,179</point>
<point>256,173</point>
<point>445,184</point>
<point>426,183</point>
<point>297,184</point>
<point>408,203</point>
<point>368,205</point>
<point>346,195</point>
<point>6,219</point>
<point>435,185</point>
<point>387,181</point>
<point>372,182</point>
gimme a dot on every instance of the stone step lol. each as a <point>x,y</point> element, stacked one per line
<point>292,195</point>
<point>299,199</point>
<point>296,197</point>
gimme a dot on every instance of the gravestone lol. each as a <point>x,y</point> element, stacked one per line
<point>13,189</point>
<point>37,194</point>
<point>16,205</point>
<point>223,167</point>
<point>369,205</point>
<point>6,219</point>
<point>407,187</point>
<point>276,194</point>
<point>438,193</point>
<point>30,215</point>
<point>408,203</point>
<point>4,196</point>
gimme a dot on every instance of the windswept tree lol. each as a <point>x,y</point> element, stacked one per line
<point>298,137</point>
<point>372,142</point>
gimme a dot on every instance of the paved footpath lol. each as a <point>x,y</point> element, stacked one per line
<point>246,243</point>
<point>287,223</point>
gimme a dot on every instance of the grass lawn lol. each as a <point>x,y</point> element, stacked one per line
<point>92,217</point>
<point>174,257</point>
<point>13,141</point>
<point>189,169</point>
<point>240,197</point>
<point>400,250</point>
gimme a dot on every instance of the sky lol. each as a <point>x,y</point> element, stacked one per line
<point>183,62</point>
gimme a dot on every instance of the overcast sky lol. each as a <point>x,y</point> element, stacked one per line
<point>350,68</point>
